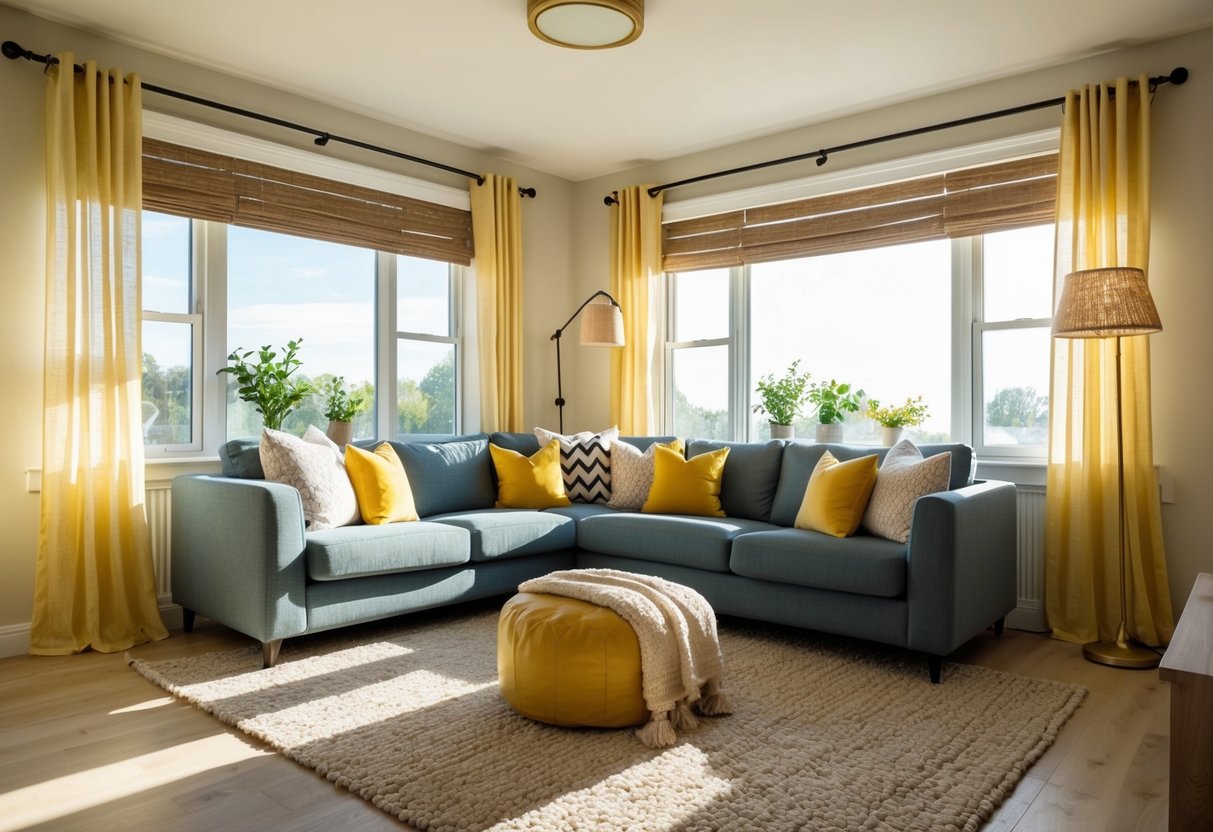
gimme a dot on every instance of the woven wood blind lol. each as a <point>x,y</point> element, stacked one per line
<point>958,204</point>
<point>209,186</point>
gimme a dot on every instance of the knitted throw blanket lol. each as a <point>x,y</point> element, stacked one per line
<point>680,656</point>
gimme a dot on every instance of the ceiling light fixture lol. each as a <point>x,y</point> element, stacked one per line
<point>586,24</point>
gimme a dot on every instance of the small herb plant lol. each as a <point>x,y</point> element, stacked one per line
<point>266,383</point>
<point>832,400</point>
<point>782,399</point>
<point>907,415</point>
<point>339,405</point>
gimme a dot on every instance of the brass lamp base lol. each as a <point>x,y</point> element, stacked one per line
<point>1120,653</point>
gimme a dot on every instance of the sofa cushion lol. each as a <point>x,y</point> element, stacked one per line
<point>313,466</point>
<point>534,481</point>
<point>585,461</point>
<point>354,551</point>
<point>861,564</point>
<point>750,476</point>
<point>837,494</point>
<point>632,473</point>
<point>241,458</point>
<point>380,484</point>
<point>699,542</point>
<point>799,458</point>
<point>904,477</point>
<point>523,443</point>
<point>508,533</point>
<point>686,486</point>
<point>449,476</point>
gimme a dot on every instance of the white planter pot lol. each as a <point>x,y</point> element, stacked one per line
<point>782,431</point>
<point>890,436</point>
<point>342,433</point>
<point>830,433</point>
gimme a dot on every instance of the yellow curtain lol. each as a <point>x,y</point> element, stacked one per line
<point>636,284</point>
<point>1103,219</point>
<point>497,235</point>
<point>94,584</point>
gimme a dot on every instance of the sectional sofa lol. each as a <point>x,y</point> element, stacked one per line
<point>241,555</point>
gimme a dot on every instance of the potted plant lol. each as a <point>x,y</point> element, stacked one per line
<point>893,419</point>
<point>266,384</point>
<point>832,400</point>
<point>782,399</point>
<point>340,408</point>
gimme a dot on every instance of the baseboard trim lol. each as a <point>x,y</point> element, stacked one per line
<point>14,638</point>
<point>1030,616</point>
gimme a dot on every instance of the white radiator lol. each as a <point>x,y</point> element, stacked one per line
<point>1029,615</point>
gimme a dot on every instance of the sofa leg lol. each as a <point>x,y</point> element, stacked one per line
<point>935,666</point>
<point>187,620</point>
<point>999,625</point>
<point>269,652</point>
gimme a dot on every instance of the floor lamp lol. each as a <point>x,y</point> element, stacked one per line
<point>1111,303</point>
<point>602,326</point>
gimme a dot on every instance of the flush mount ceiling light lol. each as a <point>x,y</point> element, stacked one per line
<point>586,24</point>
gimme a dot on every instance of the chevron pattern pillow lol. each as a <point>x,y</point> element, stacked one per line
<point>585,460</point>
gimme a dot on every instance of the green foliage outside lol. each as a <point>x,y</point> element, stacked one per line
<point>1017,407</point>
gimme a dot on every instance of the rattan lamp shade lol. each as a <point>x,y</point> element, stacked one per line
<point>1103,303</point>
<point>602,325</point>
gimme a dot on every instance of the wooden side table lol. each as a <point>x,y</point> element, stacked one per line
<point>1188,666</point>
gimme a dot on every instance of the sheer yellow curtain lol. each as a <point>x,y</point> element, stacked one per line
<point>497,234</point>
<point>1103,219</point>
<point>636,284</point>
<point>94,584</point>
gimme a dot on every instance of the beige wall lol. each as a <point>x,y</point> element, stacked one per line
<point>546,250</point>
<point>1181,264</point>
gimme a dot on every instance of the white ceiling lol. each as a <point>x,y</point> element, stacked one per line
<point>704,73</point>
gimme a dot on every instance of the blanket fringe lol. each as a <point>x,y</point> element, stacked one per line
<point>714,702</point>
<point>682,718</point>
<point>658,732</point>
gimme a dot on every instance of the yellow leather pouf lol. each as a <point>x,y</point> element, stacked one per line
<point>569,662</point>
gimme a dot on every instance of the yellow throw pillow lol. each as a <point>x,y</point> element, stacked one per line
<point>837,495</point>
<point>686,486</point>
<point>380,484</point>
<point>529,482</point>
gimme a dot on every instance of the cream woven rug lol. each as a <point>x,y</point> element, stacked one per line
<point>826,735</point>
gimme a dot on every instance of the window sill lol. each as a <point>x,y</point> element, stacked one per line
<point>1025,472</point>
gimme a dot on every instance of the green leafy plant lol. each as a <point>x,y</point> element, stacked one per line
<point>339,404</point>
<point>783,398</point>
<point>907,415</point>
<point>266,383</point>
<point>832,400</point>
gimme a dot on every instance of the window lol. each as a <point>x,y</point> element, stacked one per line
<point>698,355</point>
<point>427,347</point>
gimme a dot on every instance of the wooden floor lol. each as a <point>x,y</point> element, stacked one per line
<point>88,744</point>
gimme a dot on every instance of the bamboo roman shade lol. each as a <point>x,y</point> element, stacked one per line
<point>209,186</point>
<point>956,204</point>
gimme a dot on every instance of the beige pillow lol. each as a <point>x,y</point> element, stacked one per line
<point>632,474</point>
<point>313,466</point>
<point>904,476</point>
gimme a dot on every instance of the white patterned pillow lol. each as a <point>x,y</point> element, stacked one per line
<point>313,466</point>
<point>585,461</point>
<point>904,476</point>
<point>632,474</point>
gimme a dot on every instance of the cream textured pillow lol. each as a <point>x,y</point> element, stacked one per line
<point>585,462</point>
<point>313,466</point>
<point>904,476</point>
<point>632,474</point>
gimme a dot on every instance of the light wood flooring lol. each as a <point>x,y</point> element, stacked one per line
<point>88,744</point>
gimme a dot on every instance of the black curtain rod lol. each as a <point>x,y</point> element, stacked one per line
<point>1178,76</point>
<point>13,51</point>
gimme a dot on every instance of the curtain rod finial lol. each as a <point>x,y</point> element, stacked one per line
<point>12,50</point>
<point>1179,75</point>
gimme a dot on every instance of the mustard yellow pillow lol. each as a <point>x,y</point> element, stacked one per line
<point>686,486</point>
<point>529,482</point>
<point>380,484</point>
<point>837,495</point>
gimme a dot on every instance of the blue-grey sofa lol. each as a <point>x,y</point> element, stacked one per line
<point>242,557</point>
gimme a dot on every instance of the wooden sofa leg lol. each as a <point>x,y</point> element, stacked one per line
<point>269,652</point>
<point>187,620</point>
<point>999,625</point>
<point>935,665</point>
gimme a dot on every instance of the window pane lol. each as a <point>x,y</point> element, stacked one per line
<point>1015,374</point>
<point>423,296</point>
<point>281,288</point>
<point>1018,273</point>
<point>879,320</point>
<point>166,263</point>
<point>701,305</point>
<point>701,392</point>
<point>168,372</point>
<point>425,387</point>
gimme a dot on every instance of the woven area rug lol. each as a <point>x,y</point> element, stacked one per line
<point>825,734</point>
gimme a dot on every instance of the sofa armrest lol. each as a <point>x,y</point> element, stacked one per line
<point>238,554</point>
<point>962,569</point>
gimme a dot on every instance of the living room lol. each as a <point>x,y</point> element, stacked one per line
<point>566,242</point>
